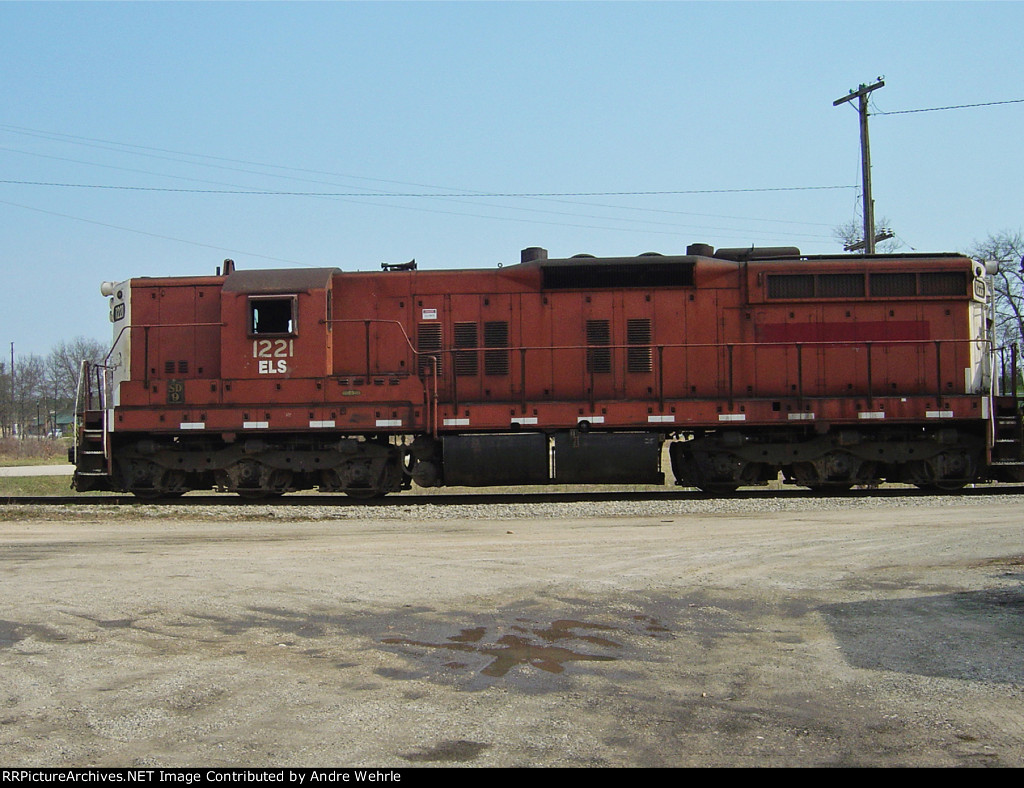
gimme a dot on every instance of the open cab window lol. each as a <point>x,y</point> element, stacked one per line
<point>273,316</point>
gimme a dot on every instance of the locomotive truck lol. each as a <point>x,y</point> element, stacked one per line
<point>751,364</point>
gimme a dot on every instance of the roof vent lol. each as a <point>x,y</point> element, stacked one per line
<point>758,253</point>
<point>533,253</point>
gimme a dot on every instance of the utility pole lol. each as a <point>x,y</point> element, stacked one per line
<point>865,160</point>
<point>14,418</point>
<point>881,235</point>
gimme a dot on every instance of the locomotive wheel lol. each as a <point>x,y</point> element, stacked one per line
<point>945,472</point>
<point>834,473</point>
<point>713,472</point>
<point>159,484</point>
<point>249,478</point>
<point>944,485</point>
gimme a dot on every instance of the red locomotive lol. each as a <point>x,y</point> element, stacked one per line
<point>834,371</point>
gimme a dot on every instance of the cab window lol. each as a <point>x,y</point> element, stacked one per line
<point>272,316</point>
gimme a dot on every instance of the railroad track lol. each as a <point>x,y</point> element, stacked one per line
<point>490,498</point>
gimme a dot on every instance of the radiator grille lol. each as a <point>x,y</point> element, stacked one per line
<point>496,336</point>
<point>638,332</point>
<point>428,341</point>
<point>599,359</point>
<point>466,363</point>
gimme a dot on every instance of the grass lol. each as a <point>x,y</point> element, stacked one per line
<point>34,486</point>
<point>16,452</point>
<point>33,451</point>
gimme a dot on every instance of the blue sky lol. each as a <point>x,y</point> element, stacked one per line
<point>376,99</point>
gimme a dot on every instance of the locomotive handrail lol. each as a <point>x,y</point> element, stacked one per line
<point>401,327</point>
<point>729,347</point>
<point>157,325</point>
<point>117,339</point>
<point>727,381</point>
<point>430,396</point>
<point>220,323</point>
<point>652,345</point>
<point>145,349</point>
<point>84,402</point>
<point>83,375</point>
<point>441,381</point>
<point>1014,372</point>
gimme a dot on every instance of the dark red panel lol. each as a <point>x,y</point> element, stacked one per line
<point>875,331</point>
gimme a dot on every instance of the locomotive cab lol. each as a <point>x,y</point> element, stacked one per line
<point>277,325</point>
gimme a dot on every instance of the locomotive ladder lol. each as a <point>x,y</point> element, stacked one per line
<point>92,457</point>
<point>1007,421</point>
<point>1008,438</point>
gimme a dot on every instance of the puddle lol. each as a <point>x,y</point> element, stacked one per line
<point>547,648</point>
<point>12,632</point>
<point>449,751</point>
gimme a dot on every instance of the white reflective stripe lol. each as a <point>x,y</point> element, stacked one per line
<point>938,414</point>
<point>255,425</point>
<point>524,419</point>
<point>732,416</point>
<point>591,419</point>
<point>456,422</point>
<point>871,414</point>
<point>388,423</point>
<point>661,419</point>
<point>315,424</point>
<point>801,417</point>
<point>193,425</point>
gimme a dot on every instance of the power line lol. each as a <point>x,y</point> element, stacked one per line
<point>956,106</point>
<point>457,194</point>
<point>268,193</point>
<point>104,144</point>
<point>151,235</point>
<point>175,157</point>
<point>632,208</point>
<point>91,142</point>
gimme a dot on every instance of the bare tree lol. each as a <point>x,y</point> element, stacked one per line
<point>29,393</point>
<point>1007,249</point>
<point>64,363</point>
<point>851,233</point>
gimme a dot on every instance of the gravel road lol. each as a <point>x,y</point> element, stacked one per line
<point>685,632</point>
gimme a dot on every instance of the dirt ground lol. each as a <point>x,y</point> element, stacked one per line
<point>889,637</point>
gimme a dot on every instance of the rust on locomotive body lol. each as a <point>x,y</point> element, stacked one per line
<point>829,371</point>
